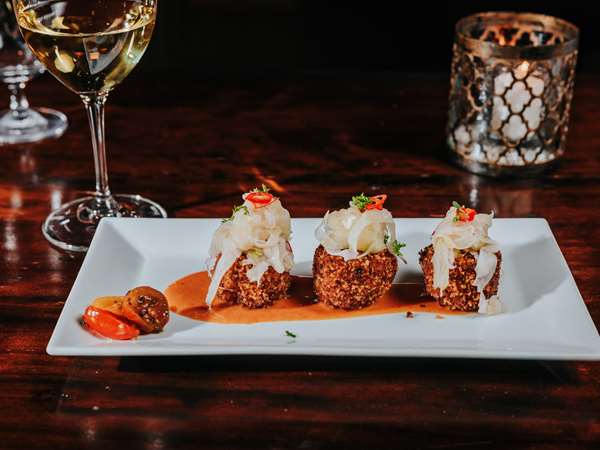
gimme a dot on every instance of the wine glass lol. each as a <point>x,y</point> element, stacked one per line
<point>20,123</point>
<point>90,46</point>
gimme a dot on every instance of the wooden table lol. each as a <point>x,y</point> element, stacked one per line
<point>194,146</point>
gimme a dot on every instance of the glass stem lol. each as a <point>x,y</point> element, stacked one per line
<point>105,204</point>
<point>19,105</point>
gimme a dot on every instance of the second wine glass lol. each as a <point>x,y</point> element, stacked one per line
<point>21,123</point>
<point>90,47</point>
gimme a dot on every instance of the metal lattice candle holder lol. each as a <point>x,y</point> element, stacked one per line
<point>511,89</point>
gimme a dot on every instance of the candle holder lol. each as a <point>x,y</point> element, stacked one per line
<point>511,89</point>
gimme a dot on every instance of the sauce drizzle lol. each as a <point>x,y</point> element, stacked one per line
<point>186,297</point>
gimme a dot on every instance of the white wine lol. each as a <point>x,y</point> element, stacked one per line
<point>92,46</point>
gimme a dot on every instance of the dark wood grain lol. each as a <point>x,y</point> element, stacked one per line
<point>193,146</point>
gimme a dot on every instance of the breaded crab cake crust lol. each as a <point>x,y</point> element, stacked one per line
<point>460,294</point>
<point>355,283</point>
<point>236,288</point>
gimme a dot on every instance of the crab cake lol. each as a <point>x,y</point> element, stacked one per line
<point>358,257</point>
<point>461,293</point>
<point>236,288</point>
<point>355,283</point>
<point>250,253</point>
<point>462,266</point>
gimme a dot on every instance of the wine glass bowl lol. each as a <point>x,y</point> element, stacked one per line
<point>18,66</point>
<point>90,47</point>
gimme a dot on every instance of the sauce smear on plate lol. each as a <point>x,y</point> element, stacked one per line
<point>186,297</point>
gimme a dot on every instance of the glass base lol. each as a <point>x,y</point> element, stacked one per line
<point>69,227</point>
<point>35,125</point>
<point>497,171</point>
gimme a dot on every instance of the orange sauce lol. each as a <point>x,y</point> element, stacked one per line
<point>186,297</point>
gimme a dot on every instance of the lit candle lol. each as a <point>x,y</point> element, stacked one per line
<point>516,104</point>
<point>511,84</point>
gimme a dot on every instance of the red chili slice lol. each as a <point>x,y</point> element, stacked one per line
<point>377,202</point>
<point>109,325</point>
<point>260,199</point>
<point>466,214</point>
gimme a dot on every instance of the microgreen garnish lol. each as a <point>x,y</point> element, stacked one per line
<point>397,248</point>
<point>386,238</point>
<point>290,334</point>
<point>262,188</point>
<point>235,210</point>
<point>458,208</point>
<point>240,208</point>
<point>361,201</point>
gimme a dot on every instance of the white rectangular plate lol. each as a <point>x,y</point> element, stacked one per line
<point>545,316</point>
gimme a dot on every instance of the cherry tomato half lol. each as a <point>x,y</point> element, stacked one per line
<point>108,325</point>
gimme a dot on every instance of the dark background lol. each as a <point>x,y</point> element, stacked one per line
<point>219,37</point>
